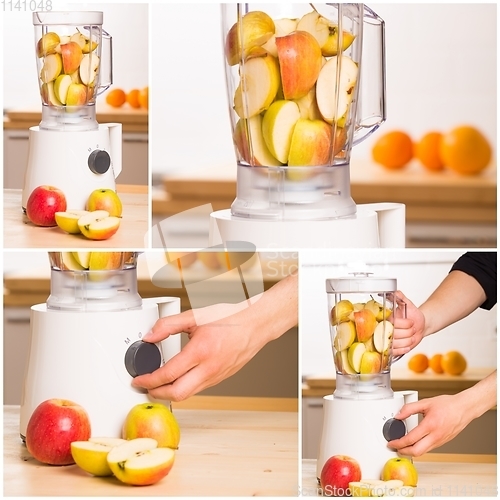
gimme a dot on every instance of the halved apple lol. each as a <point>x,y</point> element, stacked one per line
<point>344,336</point>
<point>277,127</point>
<point>98,225</point>
<point>61,86</point>
<point>68,221</point>
<point>52,67</point>
<point>382,336</point>
<point>259,84</point>
<point>140,462</point>
<point>88,68</point>
<point>91,455</point>
<point>334,105</point>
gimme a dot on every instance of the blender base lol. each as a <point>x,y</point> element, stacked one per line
<point>373,226</point>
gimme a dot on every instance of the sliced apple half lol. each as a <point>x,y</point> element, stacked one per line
<point>68,220</point>
<point>140,462</point>
<point>382,336</point>
<point>277,127</point>
<point>259,84</point>
<point>61,86</point>
<point>98,225</point>
<point>354,355</point>
<point>88,68</point>
<point>91,455</point>
<point>334,105</point>
<point>52,67</point>
<point>345,335</point>
<point>71,54</point>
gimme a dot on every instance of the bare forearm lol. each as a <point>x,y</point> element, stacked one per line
<point>456,297</point>
<point>479,398</point>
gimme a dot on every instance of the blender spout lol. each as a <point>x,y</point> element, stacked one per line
<point>115,142</point>
<point>391,223</point>
<point>410,397</point>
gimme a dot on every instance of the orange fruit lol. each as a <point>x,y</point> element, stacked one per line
<point>453,363</point>
<point>133,98</point>
<point>116,97</point>
<point>418,363</point>
<point>144,97</point>
<point>435,363</point>
<point>465,150</point>
<point>393,150</point>
<point>427,151</point>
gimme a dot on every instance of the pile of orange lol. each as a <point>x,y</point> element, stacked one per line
<point>463,149</point>
<point>136,98</point>
<point>451,363</point>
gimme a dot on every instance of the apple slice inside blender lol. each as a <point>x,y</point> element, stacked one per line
<point>48,95</point>
<point>88,68</point>
<point>346,366</point>
<point>83,258</point>
<point>52,67</point>
<point>382,335</point>
<point>345,336</point>
<point>69,263</point>
<point>61,86</point>
<point>354,355</point>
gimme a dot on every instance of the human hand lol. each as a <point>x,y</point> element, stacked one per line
<point>409,331</point>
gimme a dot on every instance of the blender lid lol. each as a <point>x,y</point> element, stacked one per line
<point>73,18</point>
<point>361,282</point>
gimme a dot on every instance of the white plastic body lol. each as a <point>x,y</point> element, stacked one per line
<point>375,225</point>
<point>354,428</point>
<point>80,357</point>
<point>60,159</point>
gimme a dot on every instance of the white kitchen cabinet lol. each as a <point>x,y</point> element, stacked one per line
<point>312,425</point>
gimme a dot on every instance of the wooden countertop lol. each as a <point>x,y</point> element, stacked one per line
<point>222,453</point>
<point>132,120</point>
<point>19,232</point>
<point>429,197</point>
<point>440,474</point>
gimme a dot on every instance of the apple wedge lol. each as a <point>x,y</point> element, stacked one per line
<point>334,105</point>
<point>52,67</point>
<point>259,84</point>
<point>345,335</point>
<point>354,355</point>
<point>282,27</point>
<point>277,127</point>
<point>91,455</point>
<point>98,225</point>
<point>68,221</point>
<point>341,311</point>
<point>370,362</point>
<point>382,336</point>
<point>47,44</point>
<point>308,106</point>
<point>69,263</point>
<point>310,144</point>
<point>48,94</point>
<point>101,261</point>
<point>83,258</point>
<point>76,95</point>
<point>61,86</point>
<point>71,54</point>
<point>345,365</point>
<point>140,462</point>
<point>88,68</point>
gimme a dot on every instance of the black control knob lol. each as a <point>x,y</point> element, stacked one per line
<point>142,357</point>
<point>99,161</point>
<point>394,429</point>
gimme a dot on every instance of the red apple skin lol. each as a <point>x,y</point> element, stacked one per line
<point>337,473</point>
<point>43,203</point>
<point>52,427</point>
<point>300,61</point>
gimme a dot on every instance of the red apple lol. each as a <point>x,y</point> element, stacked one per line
<point>52,427</point>
<point>43,203</point>
<point>337,473</point>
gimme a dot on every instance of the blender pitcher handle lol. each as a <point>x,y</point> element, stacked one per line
<point>106,64</point>
<point>371,111</point>
<point>400,312</point>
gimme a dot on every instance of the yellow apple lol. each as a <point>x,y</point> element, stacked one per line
<point>104,261</point>
<point>277,127</point>
<point>98,225</point>
<point>76,95</point>
<point>48,94</point>
<point>61,86</point>
<point>341,311</point>
<point>47,44</point>
<point>400,468</point>
<point>152,420</point>
<point>105,199</point>
<point>382,336</point>
<point>71,54</point>
<point>52,67</point>
<point>259,84</point>
<point>89,67</point>
<point>68,221</point>
<point>91,455</point>
<point>371,362</point>
<point>255,29</point>
<point>140,462</point>
<point>300,63</point>
<point>325,32</point>
<point>354,355</point>
<point>334,105</point>
<point>365,323</point>
<point>282,27</point>
<point>344,336</point>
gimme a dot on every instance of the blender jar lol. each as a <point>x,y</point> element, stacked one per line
<point>361,311</point>
<point>295,79</point>
<point>93,281</point>
<point>72,67</point>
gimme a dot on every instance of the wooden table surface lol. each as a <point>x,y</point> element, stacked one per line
<point>19,232</point>
<point>439,474</point>
<point>221,453</point>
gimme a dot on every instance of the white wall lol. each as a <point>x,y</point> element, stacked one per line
<point>418,273</point>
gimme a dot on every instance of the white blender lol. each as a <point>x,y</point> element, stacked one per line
<point>69,149</point>
<point>86,342</point>
<point>305,82</point>
<point>358,419</point>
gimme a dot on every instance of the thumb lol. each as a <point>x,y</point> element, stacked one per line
<point>170,325</point>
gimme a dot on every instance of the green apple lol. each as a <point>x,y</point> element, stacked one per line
<point>61,86</point>
<point>51,69</point>
<point>371,362</point>
<point>152,420</point>
<point>140,462</point>
<point>354,355</point>
<point>47,44</point>
<point>98,225</point>
<point>365,322</point>
<point>344,336</point>
<point>300,63</point>
<point>250,143</point>
<point>325,32</point>
<point>68,220</point>
<point>382,336</point>
<point>334,105</point>
<point>277,127</point>
<point>282,27</point>
<point>105,199</point>
<point>259,84</point>
<point>400,468</point>
<point>255,29</point>
<point>76,94</point>
<point>71,54</point>
<point>48,94</point>
<point>89,67</point>
<point>91,455</point>
<point>341,311</point>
